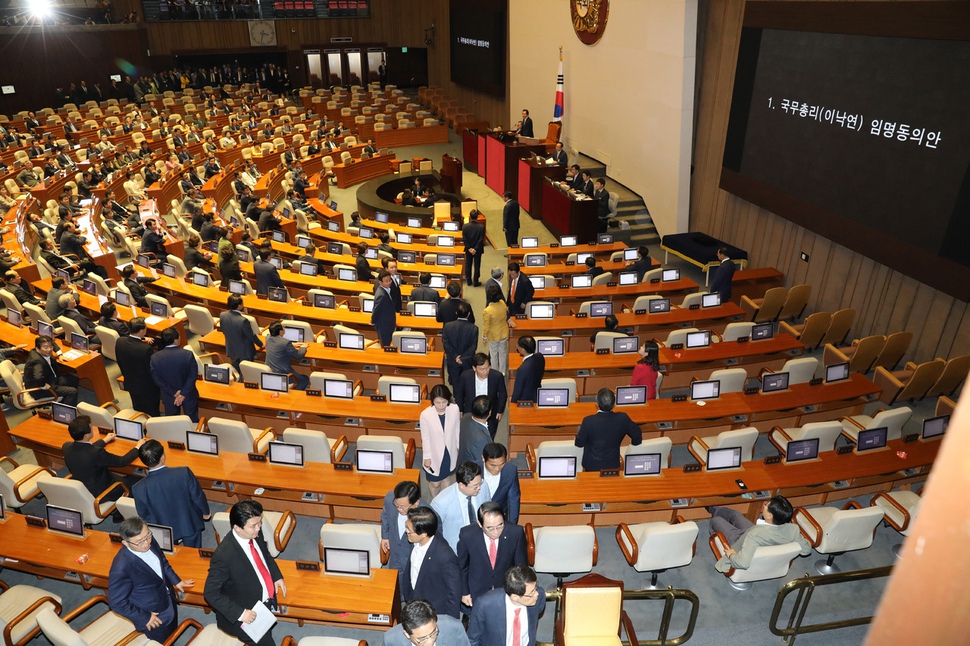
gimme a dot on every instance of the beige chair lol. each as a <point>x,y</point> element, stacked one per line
<point>826,432</point>
<point>170,311</point>
<point>811,332</point>
<point>692,299</point>
<point>209,635</point>
<point>199,320</point>
<point>108,628</point>
<point>795,302</point>
<point>553,448</point>
<point>19,607</point>
<point>655,547</point>
<point>835,531</point>
<point>318,381</point>
<point>171,428</point>
<point>277,529</point>
<point>767,308</point>
<point>659,445</point>
<point>317,447</point>
<point>734,331</point>
<point>592,613</point>
<point>21,484</point>
<point>838,329</point>
<point>561,382</point>
<point>108,338</point>
<point>800,370</point>
<point>236,437</point>
<point>251,371</point>
<point>860,355</point>
<point>913,382</point>
<point>561,551</point>
<point>70,493</point>
<point>103,416</point>
<point>892,418</point>
<point>732,379</point>
<point>953,376</point>
<point>892,353</point>
<point>900,508</point>
<point>604,340</point>
<point>653,274</point>
<point>642,302</point>
<point>402,454</point>
<point>741,437</point>
<point>944,406</point>
<point>24,398</point>
<point>358,536</point>
<point>323,641</point>
<point>767,561</point>
<point>126,507</point>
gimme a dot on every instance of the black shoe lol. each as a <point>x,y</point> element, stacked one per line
<point>478,284</point>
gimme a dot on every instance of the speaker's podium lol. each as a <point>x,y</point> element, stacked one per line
<point>565,215</point>
<point>503,150</point>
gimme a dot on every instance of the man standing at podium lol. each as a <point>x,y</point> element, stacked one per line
<point>525,126</point>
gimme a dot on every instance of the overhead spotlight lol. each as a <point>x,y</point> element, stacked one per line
<point>40,8</point>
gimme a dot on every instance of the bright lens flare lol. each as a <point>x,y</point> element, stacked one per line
<point>40,8</point>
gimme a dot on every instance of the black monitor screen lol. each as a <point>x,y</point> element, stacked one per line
<point>626,344</point>
<point>761,331</point>
<point>407,256</point>
<point>646,464</point>
<point>658,305</point>
<point>63,413</point>
<point>874,438</point>
<point>163,536</point>
<point>552,397</point>
<point>799,450</point>
<point>414,345</point>
<point>216,374</point>
<point>551,347</point>
<point>726,458</point>
<point>274,382</point>
<point>774,382</point>
<point>207,443</point>
<point>325,301</point>
<point>837,372</point>
<point>374,461</point>
<point>935,426</point>
<point>477,44</point>
<point>129,429</point>
<point>631,395</point>
<point>237,287</point>
<point>276,294</point>
<point>67,521</point>
<point>557,467</point>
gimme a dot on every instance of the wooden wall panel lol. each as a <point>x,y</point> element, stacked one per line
<point>885,300</point>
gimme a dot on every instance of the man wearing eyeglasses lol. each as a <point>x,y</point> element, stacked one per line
<point>509,616</point>
<point>394,539</point>
<point>486,550</point>
<point>421,626</point>
<point>142,584</point>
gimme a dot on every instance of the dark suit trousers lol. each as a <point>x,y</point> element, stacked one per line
<point>511,236</point>
<point>147,404</point>
<point>189,407</point>
<point>66,389</point>
<point>473,261</point>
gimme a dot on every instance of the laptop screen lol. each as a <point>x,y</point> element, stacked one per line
<point>542,311</point>
<point>625,344</point>
<point>207,443</point>
<point>216,374</point>
<point>710,300</point>
<point>935,426</point>
<point>404,238</point>
<point>168,270</point>
<point>557,467</point>
<point>346,562</point>
<point>581,280</point>
<point>701,339</point>
<point>284,453</point>
<point>774,382</point>
<point>874,438</point>
<point>631,395</point>
<point>338,388</point>
<point>414,345</point>
<point>64,520</point>
<point>761,331</point>
<point>163,536</point>
<point>294,334</point>
<point>658,305</point>
<point>837,372</point>
<point>276,294</point>
<point>705,390</point>
<point>128,429</point>
<point>405,393</point>
<point>629,254</point>
<point>308,269</point>
<point>535,260</point>
<point>274,382</point>
<point>79,342</point>
<point>426,308</point>
<point>726,458</point>
<point>325,301</point>
<point>552,397</point>
<point>350,341</point>
<point>374,461</point>
<point>799,450</point>
<point>446,259</point>
<point>63,413</point>
<point>602,309</point>
<point>199,279</point>
<point>645,464</point>
<point>628,278</point>
<point>529,243</point>
<point>551,347</point>
<point>669,275</point>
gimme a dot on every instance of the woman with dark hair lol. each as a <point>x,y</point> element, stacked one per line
<point>193,257</point>
<point>648,368</point>
<point>229,265</point>
<point>495,328</point>
<point>440,423</point>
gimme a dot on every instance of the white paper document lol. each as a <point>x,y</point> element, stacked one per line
<point>261,624</point>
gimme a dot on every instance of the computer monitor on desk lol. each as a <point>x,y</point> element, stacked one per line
<point>205,443</point>
<point>129,429</point>
<point>551,347</point>
<point>414,223</point>
<point>62,413</point>
<point>711,300</point>
<point>294,334</point>
<point>276,294</point>
<point>658,305</point>
<point>837,372</point>
<point>290,455</point>
<point>801,450</point>
<point>628,278</point>
<point>62,520</point>
<point>350,341</point>
<point>404,238</point>
<point>725,458</point>
<point>546,311</point>
<point>557,467</point>
<point>600,309</point>
<point>374,461</point>
<point>216,374</point>
<point>568,241</point>
<point>338,388</point>
<point>409,257</point>
<point>341,561</point>
<point>761,332</point>
<point>552,398</point>
<point>79,342</point>
<point>700,339</point>
<point>644,464</point>
<point>935,427</point>
<point>581,280</point>
<point>670,275</point>
<point>427,309</point>
<point>631,395</point>
<point>324,301</point>
<point>625,344</point>
<point>538,282</point>
<point>529,243</point>
<point>630,255</point>
<point>308,269</point>
<point>414,345</point>
<point>404,393</point>
<point>163,536</point>
<point>701,390</point>
<point>274,382</point>
<point>774,382</point>
<point>872,439</point>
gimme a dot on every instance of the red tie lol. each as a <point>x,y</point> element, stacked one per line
<point>261,568</point>
<point>516,628</point>
<point>492,552</point>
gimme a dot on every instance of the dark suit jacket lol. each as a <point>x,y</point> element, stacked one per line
<point>172,496</point>
<point>22,292</point>
<point>508,493</point>
<point>437,579</point>
<point>241,342</point>
<point>400,546</point>
<point>86,326</point>
<point>117,325</point>
<point>37,372</point>
<point>266,276</point>
<point>472,438</point>
<point>175,370</point>
<point>510,216</point>
<point>135,591</point>
<point>528,378</point>
<point>524,292</point>
<point>424,293</point>
<point>561,157</point>
<point>721,283</point>
<point>89,464</point>
<point>448,311</point>
<point>233,584</point>
<point>595,271</point>
<point>642,266</point>
<point>498,395</point>
<point>600,435</point>
<point>134,360</point>
<point>384,315</point>
<point>460,339</point>
<point>473,237</point>
<point>487,624</point>
<point>477,575</point>
<point>526,129</point>
<point>363,269</point>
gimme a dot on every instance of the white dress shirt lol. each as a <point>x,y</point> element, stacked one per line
<point>150,559</point>
<point>244,544</point>
<point>418,552</point>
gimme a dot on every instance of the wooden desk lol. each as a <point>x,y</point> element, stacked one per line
<point>412,269</point>
<point>322,236</point>
<point>568,299</point>
<point>501,161</point>
<point>564,215</point>
<point>645,499</point>
<point>361,171</point>
<point>682,420</point>
<point>311,596</point>
<point>563,270</point>
<point>531,178</point>
<point>601,251</point>
<point>401,137</point>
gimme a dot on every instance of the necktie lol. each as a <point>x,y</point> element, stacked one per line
<point>471,509</point>
<point>512,293</point>
<point>516,628</point>
<point>492,551</point>
<point>261,568</point>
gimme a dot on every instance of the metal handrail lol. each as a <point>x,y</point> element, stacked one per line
<point>669,596</point>
<point>805,587</point>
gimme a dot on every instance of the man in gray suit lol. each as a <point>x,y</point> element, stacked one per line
<point>280,351</point>
<point>241,341</point>
<point>394,540</point>
<point>420,624</point>
<point>744,537</point>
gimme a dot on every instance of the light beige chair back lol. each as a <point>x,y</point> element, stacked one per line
<point>199,321</point>
<point>604,340</point>
<point>236,437</point>
<point>170,428</point>
<point>384,383</point>
<point>564,549</point>
<point>109,628</point>
<point>358,536</point>
<point>70,493</point>
<point>316,445</point>
<point>661,445</point>
<point>732,379</point>
<point>15,619</point>
<point>800,370</point>
<point>558,449</point>
<point>386,443</point>
<point>679,336</point>
<point>734,331</point>
<point>108,339</point>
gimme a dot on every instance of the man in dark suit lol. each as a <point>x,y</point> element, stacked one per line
<point>20,288</point>
<point>397,503</point>
<point>431,571</point>
<point>559,155</point>
<point>69,307</point>
<point>642,264</point>
<point>242,573</point>
<point>521,290</point>
<point>525,126</point>
<point>473,434</point>
<point>496,279</point>
<point>528,378</point>
<point>89,462</point>
<point>142,584</point>
<point>384,315</point>
<point>390,265</point>
<point>721,283</point>
<point>600,434</point>
<point>592,268</point>
<point>134,356</point>
<point>421,624</point>
<point>133,283</point>
<point>170,496</point>
<point>483,563</point>
<point>488,624</point>
<point>361,264</point>
<point>473,237</point>
<point>43,371</point>
<point>460,340</point>
<point>502,479</point>
<point>241,341</point>
<point>109,319</point>
<point>175,370</point>
<point>468,385</point>
<point>510,219</point>
<point>266,274</point>
<point>448,308</point>
<point>423,292</point>
<point>601,195</point>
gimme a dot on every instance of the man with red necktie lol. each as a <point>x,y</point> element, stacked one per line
<point>509,616</point>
